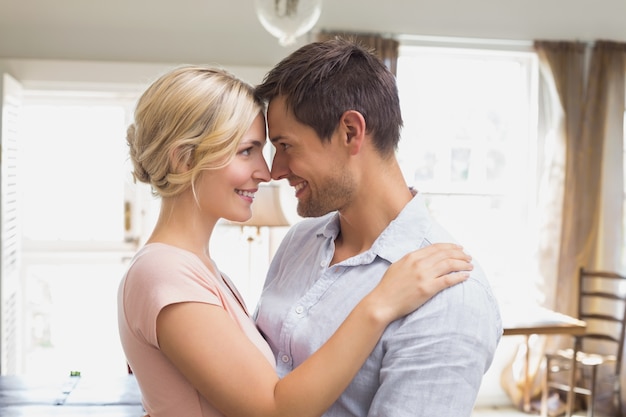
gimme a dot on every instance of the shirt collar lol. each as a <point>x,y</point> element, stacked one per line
<point>330,228</point>
<point>404,234</point>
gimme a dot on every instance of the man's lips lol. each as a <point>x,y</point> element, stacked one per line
<point>300,186</point>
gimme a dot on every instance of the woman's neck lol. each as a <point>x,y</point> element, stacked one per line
<point>184,227</point>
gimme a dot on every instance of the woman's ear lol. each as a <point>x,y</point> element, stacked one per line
<point>353,128</point>
<point>180,159</point>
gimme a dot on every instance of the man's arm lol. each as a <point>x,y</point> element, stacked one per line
<point>435,358</point>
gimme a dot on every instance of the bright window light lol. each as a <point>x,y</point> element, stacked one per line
<point>469,145</point>
<point>72,169</point>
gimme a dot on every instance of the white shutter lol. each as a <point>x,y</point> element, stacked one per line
<point>10,300</point>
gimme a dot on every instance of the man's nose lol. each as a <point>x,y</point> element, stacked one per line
<point>280,168</point>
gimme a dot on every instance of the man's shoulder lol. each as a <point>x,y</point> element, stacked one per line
<point>471,302</point>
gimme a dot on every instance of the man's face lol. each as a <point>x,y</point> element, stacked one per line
<point>316,170</point>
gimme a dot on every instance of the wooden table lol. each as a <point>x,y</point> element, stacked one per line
<point>527,321</point>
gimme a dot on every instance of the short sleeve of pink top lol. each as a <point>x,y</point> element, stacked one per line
<point>160,275</point>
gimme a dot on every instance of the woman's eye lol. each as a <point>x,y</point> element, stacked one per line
<point>246,152</point>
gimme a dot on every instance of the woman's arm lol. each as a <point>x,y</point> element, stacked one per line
<point>212,352</point>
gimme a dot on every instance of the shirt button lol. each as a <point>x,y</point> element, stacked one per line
<point>299,309</point>
<point>323,264</point>
<point>285,358</point>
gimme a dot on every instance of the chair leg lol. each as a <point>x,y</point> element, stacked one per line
<point>618,401</point>
<point>592,392</point>
<point>544,388</point>
<point>571,395</point>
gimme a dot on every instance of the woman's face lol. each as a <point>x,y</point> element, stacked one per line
<point>228,192</point>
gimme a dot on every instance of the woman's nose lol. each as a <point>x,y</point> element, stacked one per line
<point>263,172</point>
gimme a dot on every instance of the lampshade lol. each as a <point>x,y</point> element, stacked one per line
<point>266,209</point>
<point>288,19</point>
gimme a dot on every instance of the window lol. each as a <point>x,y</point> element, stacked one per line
<point>76,154</point>
<point>77,195</point>
<point>469,145</point>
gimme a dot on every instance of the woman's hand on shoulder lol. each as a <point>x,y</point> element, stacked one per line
<point>419,275</point>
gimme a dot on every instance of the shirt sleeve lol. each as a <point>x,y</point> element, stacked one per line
<point>435,358</point>
<point>158,279</point>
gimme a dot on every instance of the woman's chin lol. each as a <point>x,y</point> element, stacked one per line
<point>240,219</point>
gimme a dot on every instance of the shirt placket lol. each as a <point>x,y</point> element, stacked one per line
<point>298,311</point>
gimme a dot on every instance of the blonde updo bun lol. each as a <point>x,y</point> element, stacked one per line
<point>192,117</point>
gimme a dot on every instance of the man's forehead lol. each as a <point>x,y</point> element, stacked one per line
<point>278,105</point>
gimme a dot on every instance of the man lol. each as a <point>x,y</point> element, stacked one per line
<point>334,118</point>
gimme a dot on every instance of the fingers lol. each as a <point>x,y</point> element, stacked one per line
<point>419,275</point>
<point>449,280</point>
<point>438,259</point>
<point>438,252</point>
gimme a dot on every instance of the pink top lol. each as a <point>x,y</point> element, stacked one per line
<point>160,275</point>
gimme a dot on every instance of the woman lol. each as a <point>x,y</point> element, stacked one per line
<point>197,140</point>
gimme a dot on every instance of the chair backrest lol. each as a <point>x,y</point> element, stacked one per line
<point>602,305</point>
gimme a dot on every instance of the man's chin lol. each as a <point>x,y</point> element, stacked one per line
<point>304,210</point>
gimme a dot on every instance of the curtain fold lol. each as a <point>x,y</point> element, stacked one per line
<point>589,119</point>
<point>563,63</point>
<point>601,247</point>
<point>562,66</point>
<point>583,168</point>
<point>385,48</point>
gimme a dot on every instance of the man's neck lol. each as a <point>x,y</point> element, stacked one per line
<point>370,212</point>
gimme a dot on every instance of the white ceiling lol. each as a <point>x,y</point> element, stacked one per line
<point>227,32</point>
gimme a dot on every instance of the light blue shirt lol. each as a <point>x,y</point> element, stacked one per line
<point>428,364</point>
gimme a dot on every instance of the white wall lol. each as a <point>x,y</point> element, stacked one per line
<point>228,32</point>
<point>121,76</point>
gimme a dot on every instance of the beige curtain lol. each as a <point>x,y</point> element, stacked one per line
<point>563,66</point>
<point>600,244</point>
<point>589,84</point>
<point>604,118</point>
<point>386,49</point>
<point>592,208</point>
<point>582,188</point>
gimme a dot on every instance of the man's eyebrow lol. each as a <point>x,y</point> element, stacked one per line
<point>276,138</point>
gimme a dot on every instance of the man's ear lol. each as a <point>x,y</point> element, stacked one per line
<point>352,125</point>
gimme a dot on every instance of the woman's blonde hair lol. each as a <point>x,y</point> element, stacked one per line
<point>192,117</point>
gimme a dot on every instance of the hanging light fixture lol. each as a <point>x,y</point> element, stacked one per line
<point>288,19</point>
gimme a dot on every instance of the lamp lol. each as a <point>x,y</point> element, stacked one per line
<point>266,209</point>
<point>266,212</point>
<point>288,19</point>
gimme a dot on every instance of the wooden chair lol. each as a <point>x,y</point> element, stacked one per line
<point>599,352</point>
